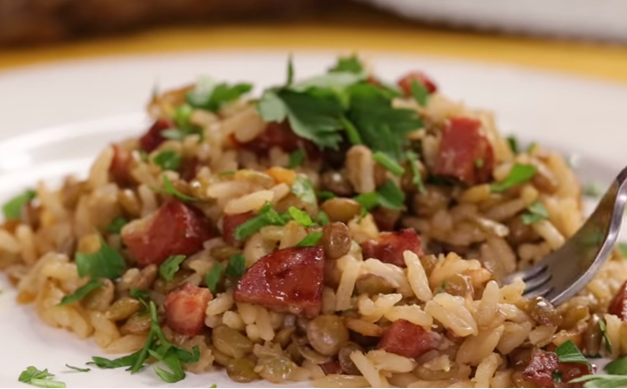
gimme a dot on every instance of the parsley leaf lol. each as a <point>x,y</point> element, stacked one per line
<point>390,196</point>
<point>313,115</point>
<point>368,201</point>
<point>419,92</point>
<point>300,216</point>
<point>601,381</point>
<point>40,378</point>
<point>174,134</point>
<point>12,209</point>
<point>168,160</point>
<point>513,144</point>
<point>326,195</point>
<point>618,366</point>
<point>266,217</point>
<point>388,163</point>
<point>212,277</point>
<point>212,96</point>
<point>81,292</point>
<point>303,189</point>
<point>170,266</point>
<point>567,352</point>
<point>311,239</point>
<point>104,263</point>
<point>236,266</point>
<point>350,64</point>
<point>322,218</point>
<point>290,71</point>
<point>296,159</point>
<point>416,176</point>
<point>141,295</point>
<point>336,81</point>
<point>381,127</point>
<point>519,174</point>
<point>116,225</point>
<point>182,117</point>
<point>606,339</point>
<point>169,189</point>
<point>622,247</point>
<point>535,212</point>
<point>82,370</point>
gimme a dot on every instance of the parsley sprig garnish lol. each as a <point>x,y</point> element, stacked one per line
<point>41,378</point>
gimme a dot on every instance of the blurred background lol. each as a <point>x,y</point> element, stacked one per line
<point>582,36</point>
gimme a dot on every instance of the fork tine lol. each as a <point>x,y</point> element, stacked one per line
<point>540,280</point>
<point>539,292</point>
<point>533,271</point>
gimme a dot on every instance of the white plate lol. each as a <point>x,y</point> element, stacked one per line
<point>579,116</point>
<point>588,19</point>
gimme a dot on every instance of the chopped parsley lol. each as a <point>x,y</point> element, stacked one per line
<point>416,176</point>
<point>311,239</point>
<point>388,163</point>
<point>535,212</point>
<point>40,378</point>
<point>568,352</point>
<point>622,247</point>
<point>266,217</point>
<point>300,216</point>
<point>174,134</point>
<point>557,376</point>
<point>513,144</point>
<point>81,292</point>
<point>616,377</point>
<point>592,190</point>
<point>168,160</point>
<point>322,218</point>
<point>618,366</point>
<point>169,189</point>
<point>116,225</point>
<point>80,369</point>
<point>12,209</point>
<point>212,96</point>
<point>326,195</point>
<point>170,266</point>
<point>367,201</point>
<point>141,296</point>
<point>606,339</point>
<point>236,266</point>
<point>519,174</point>
<point>104,263</point>
<point>158,347</point>
<point>350,64</point>
<point>419,92</point>
<point>182,117</point>
<point>296,159</point>
<point>303,189</point>
<point>390,196</point>
<point>290,71</point>
<point>212,277</point>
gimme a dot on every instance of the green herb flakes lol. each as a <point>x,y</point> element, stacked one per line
<point>606,339</point>
<point>519,174</point>
<point>617,366</point>
<point>367,201</point>
<point>170,266</point>
<point>567,352</point>
<point>388,163</point>
<point>416,176</point>
<point>170,190</point>
<point>390,196</point>
<point>326,195</point>
<point>182,117</point>
<point>311,239</point>
<point>168,160</point>
<point>12,209</point>
<point>513,144</point>
<point>212,277</point>
<point>350,64</point>
<point>266,217</point>
<point>212,96</point>
<point>104,263</point>
<point>419,92</point>
<point>300,216</point>
<point>116,225</point>
<point>236,266</point>
<point>296,159</point>
<point>79,369</point>
<point>303,189</point>
<point>535,212</point>
<point>81,292</point>
<point>40,378</point>
<point>322,218</point>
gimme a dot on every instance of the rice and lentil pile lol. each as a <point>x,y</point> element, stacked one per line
<point>338,229</point>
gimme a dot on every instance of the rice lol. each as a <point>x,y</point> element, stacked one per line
<point>269,289</point>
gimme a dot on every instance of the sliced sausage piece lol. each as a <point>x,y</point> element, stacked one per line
<point>288,280</point>
<point>392,245</point>
<point>408,340</point>
<point>405,82</point>
<point>120,168</point>
<point>230,224</point>
<point>546,371</point>
<point>185,309</point>
<point>153,138</point>
<point>465,153</point>
<point>174,229</point>
<point>332,367</point>
<point>618,306</point>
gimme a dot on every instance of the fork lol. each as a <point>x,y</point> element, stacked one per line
<point>563,273</point>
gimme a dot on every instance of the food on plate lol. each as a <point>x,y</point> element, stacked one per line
<point>338,229</point>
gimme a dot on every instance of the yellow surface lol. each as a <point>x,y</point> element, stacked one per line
<point>348,28</point>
